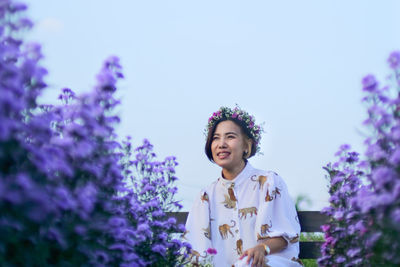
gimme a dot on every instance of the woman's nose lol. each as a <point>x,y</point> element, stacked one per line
<point>222,142</point>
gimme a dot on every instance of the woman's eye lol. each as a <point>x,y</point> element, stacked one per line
<point>231,136</point>
<point>215,138</point>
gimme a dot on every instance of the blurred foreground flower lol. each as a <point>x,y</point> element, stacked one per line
<point>65,198</point>
<point>365,195</point>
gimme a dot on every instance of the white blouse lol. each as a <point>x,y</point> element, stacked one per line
<point>232,215</point>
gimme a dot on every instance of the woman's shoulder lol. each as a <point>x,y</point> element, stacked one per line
<point>210,187</point>
<point>264,172</point>
<point>271,175</point>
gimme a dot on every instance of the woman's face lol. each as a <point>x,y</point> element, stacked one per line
<point>228,145</point>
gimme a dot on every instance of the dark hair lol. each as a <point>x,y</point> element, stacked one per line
<point>243,129</point>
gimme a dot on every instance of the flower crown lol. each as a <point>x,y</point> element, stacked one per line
<point>240,115</point>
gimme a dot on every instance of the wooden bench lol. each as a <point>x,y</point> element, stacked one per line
<point>310,222</point>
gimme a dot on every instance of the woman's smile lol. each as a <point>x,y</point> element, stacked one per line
<point>223,154</point>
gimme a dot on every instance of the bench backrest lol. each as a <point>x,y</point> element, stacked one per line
<point>310,222</point>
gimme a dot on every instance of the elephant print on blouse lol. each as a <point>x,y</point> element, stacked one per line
<point>228,203</point>
<point>265,228</point>
<point>231,193</point>
<point>261,181</point>
<point>225,229</point>
<point>276,192</point>
<point>245,211</point>
<point>294,239</point>
<point>297,260</point>
<point>204,197</point>
<point>183,236</point>
<point>207,232</point>
<point>195,254</point>
<point>239,247</point>
<point>230,199</point>
<point>268,197</point>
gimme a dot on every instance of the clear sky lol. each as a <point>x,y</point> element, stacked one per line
<point>295,65</point>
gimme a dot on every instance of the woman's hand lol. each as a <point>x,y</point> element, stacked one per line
<point>256,253</point>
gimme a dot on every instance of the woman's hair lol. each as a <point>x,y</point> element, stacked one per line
<point>243,129</point>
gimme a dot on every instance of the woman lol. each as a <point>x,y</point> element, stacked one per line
<point>246,215</point>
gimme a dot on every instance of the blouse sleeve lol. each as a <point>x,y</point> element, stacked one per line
<point>198,233</point>
<point>277,213</point>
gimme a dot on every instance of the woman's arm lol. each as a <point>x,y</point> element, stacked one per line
<point>258,253</point>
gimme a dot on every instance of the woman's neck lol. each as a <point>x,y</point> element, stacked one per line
<point>230,174</point>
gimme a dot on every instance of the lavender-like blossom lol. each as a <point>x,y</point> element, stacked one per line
<point>365,195</point>
<point>394,60</point>
<point>64,191</point>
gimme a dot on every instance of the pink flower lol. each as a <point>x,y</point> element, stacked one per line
<point>212,251</point>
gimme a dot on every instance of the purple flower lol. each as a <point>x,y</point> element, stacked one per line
<point>395,133</point>
<point>395,157</point>
<point>340,259</point>
<point>375,152</point>
<point>359,226</point>
<point>395,215</point>
<point>352,157</point>
<point>117,222</point>
<point>163,236</point>
<point>159,249</point>
<point>117,247</point>
<point>369,83</point>
<point>144,227</point>
<point>353,252</point>
<point>158,213</point>
<point>383,175</point>
<point>394,59</point>
<point>172,220</point>
<point>344,147</point>
<point>338,215</point>
<point>372,239</point>
<point>325,227</point>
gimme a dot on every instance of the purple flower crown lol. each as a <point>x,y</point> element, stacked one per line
<point>241,115</point>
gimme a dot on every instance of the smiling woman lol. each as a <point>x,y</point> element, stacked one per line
<point>247,214</point>
<point>229,148</point>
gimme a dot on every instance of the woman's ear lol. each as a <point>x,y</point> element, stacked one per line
<point>248,144</point>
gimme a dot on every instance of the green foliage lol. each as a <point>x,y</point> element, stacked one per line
<point>310,263</point>
<point>311,237</point>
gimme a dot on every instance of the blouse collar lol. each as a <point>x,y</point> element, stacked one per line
<point>240,178</point>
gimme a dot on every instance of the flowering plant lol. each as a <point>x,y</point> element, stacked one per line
<point>363,229</point>
<point>148,197</point>
<point>64,198</point>
<point>342,242</point>
<point>242,117</point>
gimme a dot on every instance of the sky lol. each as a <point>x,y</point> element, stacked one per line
<point>295,65</point>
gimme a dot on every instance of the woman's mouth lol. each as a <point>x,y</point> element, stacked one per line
<point>223,155</point>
